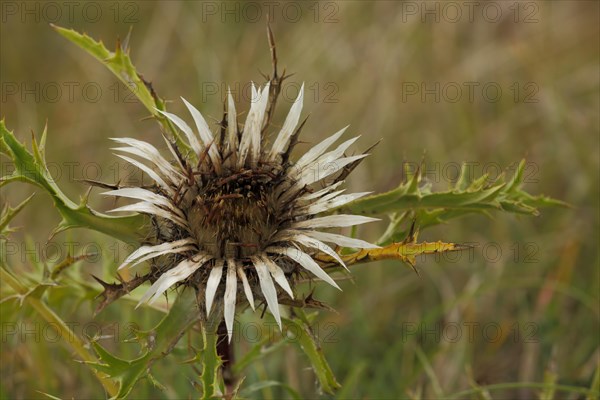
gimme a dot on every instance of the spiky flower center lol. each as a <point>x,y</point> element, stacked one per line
<point>234,216</point>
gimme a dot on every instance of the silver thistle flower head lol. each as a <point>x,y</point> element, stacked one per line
<point>234,216</point>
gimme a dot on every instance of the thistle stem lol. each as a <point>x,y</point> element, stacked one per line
<point>209,358</point>
<point>225,351</point>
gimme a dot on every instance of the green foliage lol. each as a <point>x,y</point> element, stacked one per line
<point>411,207</point>
<point>156,343</point>
<point>414,200</point>
<point>32,294</point>
<point>210,361</point>
<point>32,169</point>
<point>119,63</point>
<point>8,213</point>
<point>298,330</point>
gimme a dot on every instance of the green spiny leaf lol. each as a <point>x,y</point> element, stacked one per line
<point>210,364</point>
<point>475,196</point>
<point>8,213</point>
<point>31,168</point>
<point>33,297</point>
<point>159,342</point>
<point>124,372</point>
<point>120,64</point>
<point>415,201</point>
<point>298,331</point>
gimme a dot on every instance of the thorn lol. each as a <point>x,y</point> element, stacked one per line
<point>118,47</point>
<point>413,232</point>
<point>273,49</point>
<point>100,184</point>
<point>146,118</point>
<point>264,310</point>
<point>293,141</point>
<point>86,197</point>
<point>125,44</point>
<point>223,125</point>
<point>350,167</point>
<point>414,268</point>
<point>104,284</point>
<point>287,76</point>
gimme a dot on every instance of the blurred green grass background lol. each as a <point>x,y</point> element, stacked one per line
<point>521,305</point>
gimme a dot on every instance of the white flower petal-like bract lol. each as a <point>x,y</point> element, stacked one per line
<point>238,216</point>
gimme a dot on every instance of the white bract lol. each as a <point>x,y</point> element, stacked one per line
<point>235,217</point>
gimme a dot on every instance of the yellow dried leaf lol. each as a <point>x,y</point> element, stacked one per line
<point>404,251</point>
